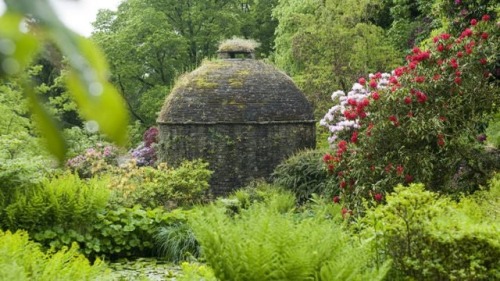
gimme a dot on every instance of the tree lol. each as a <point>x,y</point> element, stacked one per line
<point>145,55</point>
<point>325,44</point>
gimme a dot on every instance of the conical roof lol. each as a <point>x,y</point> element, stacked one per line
<point>235,91</point>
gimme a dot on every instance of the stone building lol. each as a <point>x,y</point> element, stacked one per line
<point>241,115</point>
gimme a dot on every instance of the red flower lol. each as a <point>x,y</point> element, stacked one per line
<point>460,54</point>
<point>342,145</point>
<point>421,97</point>
<point>486,17</point>
<point>327,158</point>
<point>365,102</point>
<point>466,33</point>
<point>483,61</point>
<point>445,36</point>
<point>378,197</point>
<point>436,77</point>
<point>375,96</point>
<point>399,170</point>
<point>373,83</point>
<point>399,71</point>
<point>484,35</point>
<point>362,81</point>
<point>354,137</point>
<point>420,79</point>
<point>343,184</point>
<point>410,114</point>
<point>388,168</point>
<point>352,102</point>
<point>440,141</point>
<point>336,199</point>
<point>393,80</point>
<point>407,100</point>
<point>473,22</point>
<point>330,168</point>
<point>453,63</point>
<point>458,80</point>
<point>346,212</point>
<point>408,178</point>
<point>440,48</point>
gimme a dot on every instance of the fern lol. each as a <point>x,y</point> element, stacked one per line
<point>265,243</point>
<point>21,259</point>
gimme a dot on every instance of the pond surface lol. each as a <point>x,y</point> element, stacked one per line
<point>144,269</point>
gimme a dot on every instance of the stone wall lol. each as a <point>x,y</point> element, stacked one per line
<point>237,153</point>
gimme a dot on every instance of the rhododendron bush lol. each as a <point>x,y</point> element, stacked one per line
<point>420,122</point>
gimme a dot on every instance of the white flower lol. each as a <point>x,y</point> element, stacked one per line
<point>337,94</point>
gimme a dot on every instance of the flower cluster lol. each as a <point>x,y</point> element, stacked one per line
<point>93,160</point>
<point>145,153</point>
<point>351,108</point>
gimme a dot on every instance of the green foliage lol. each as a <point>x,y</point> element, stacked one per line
<point>420,231</point>
<point>161,186</point>
<point>65,201</point>
<point>304,174</point>
<point>22,259</point>
<point>269,243</point>
<point>86,80</point>
<point>493,131</point>
<point>325,44</point>
<point>176,242</point>
<point>193,271</point>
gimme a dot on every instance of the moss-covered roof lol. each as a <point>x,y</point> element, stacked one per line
<point>235,91</point>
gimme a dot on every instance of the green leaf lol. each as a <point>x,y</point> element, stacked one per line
<point>47,126</point>
<point>16,48</point>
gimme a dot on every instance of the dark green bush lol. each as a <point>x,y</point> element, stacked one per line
<point>265,243</point>
<point>433,238</point>
<point>305,174</point>
<point>21,259</point>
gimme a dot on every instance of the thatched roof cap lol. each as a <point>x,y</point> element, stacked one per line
<point>235,91</point>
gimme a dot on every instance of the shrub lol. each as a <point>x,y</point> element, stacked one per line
<point>432,238</point>
<point>21,259</point>
<point>115,233</point>
<point>263,243</point>
<point>161,186</point>
<point>418,124</point>
<point>304,174</point>
<point>93,161</point>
